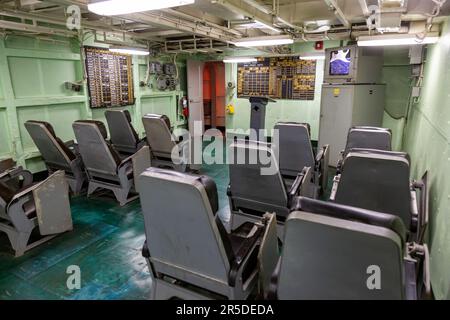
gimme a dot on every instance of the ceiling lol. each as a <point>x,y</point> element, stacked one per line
<point>212,25</point>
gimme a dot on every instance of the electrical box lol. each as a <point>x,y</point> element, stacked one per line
<point>353,64</point>
<point>169,69</point>
<point>345,106</point>
<point>155,68</point>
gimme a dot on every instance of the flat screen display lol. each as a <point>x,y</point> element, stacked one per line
<point>340,61</point>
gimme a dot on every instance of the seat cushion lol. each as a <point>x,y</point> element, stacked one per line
<point>30,209</point>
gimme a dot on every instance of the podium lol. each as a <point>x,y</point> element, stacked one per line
<point>258,114</point>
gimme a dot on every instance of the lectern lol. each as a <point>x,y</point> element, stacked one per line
<point>258,114</point>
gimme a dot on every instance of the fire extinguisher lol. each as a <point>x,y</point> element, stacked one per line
<point>185,106</point>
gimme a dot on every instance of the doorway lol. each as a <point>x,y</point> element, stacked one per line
<point>214,95</point>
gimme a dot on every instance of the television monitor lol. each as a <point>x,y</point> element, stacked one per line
<point>340,62</point>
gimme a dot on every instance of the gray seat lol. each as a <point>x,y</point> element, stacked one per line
<point>337,252</point>
<point>189,252</point>
<point>104,167</point>
<point>367,138</point>
<point>251,191</point>
<point>44,205</point>
<point>166,151</point>
<point>296,152</point>
<point>380,181</point>
<point>123,136</point>
<point>58,155</point>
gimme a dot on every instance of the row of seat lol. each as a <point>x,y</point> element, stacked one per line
<point>328,250</point>
<point>102,162</point>
<point>27,206</point>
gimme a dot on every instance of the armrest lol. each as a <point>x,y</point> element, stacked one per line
<point>23,194</point>
<point>423,209</point>
<point>16,173</point>
<point>421,255</point>
<point>298,183</point>
<point>336,181</point>
<point>322,163</point>
<point>273,294</point>
<point>246,250</point>
<point>125,161</point>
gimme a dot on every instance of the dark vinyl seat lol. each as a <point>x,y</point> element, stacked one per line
<point>380,181</point>
<point>189,252</point>
<point>336,252</point>
<point>165,148</point>
<point>256,185</point>
<point>123,136</point>
<point>43,205</point>
<point>104,166</point>
<point>296,152</point>
<point>58,155</point>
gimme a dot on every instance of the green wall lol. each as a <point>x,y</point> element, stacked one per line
<point>32,75</point>
<point>428,142</point>
<point>282,110</point>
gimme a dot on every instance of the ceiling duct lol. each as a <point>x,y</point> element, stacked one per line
<point>389,16</point>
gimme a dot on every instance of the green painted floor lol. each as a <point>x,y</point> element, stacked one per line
<point>106,244</point>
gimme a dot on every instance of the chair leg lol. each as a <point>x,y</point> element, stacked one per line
<point>122,195</point>
<point>19,241</point>
<point>91,188</point>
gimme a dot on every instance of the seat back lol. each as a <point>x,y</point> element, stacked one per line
<point>55,153</point>
<point>336,252</point>
<point>369,138</point>
<point>294,147</point>
<point>182,235</point>
<point>6,195</point>
<point>122,134</point>
<point>378,181</point>
<point>159,136</point>
<point>248,186</point>
<point>99,157</point>
<point>7,164</point>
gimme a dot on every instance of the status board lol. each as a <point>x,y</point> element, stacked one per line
<point>277,78</point>
<point>110,81</point>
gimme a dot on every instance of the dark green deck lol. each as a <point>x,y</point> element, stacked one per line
<point>106,244</point>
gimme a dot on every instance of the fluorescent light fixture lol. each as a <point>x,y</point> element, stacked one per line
<point>313,56</point>
<point>267,26</point>
<point>396,40</point>
<point>115,7</point>
<point>263,41</point>
<point>128,50</point>
<point>239,59</point>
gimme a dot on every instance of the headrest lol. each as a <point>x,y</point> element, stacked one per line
<point>47,125</point>
<point>159,116</point>
<point>308,127</point>
<point>100,125</point>
<point>388,155</point>
<point>250,148</point>
<point>369,137</point>
<point>207,182</point>
<point>338,211</point>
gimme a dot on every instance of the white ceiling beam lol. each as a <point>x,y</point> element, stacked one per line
<point>338,12</point>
